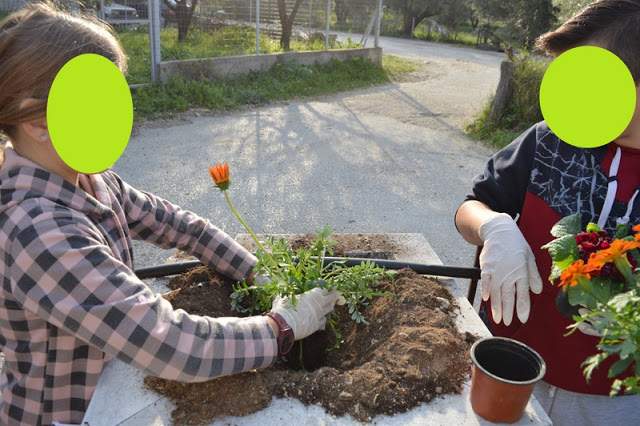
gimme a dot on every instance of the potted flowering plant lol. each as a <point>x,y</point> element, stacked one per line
<point>600,283</point>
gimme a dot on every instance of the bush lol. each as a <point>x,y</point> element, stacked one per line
<point>523,109</point>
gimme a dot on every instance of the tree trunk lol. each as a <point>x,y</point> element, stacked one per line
<point>184,13</point>
<point>408,19</point>
<point>504,91</point>
<point>287,22</point>
<point>342,11</point>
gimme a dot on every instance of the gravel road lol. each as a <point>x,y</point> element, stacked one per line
<point>385,159</point>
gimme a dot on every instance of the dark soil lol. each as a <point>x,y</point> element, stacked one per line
<point>409,354</point>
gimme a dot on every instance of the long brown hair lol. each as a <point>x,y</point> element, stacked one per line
<point>35,43</point>
<point>611,24</point>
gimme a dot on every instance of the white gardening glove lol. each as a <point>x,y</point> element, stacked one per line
<point>588,325</point>
<point>309,314</point>
<point>261,280</point>
<point>508,267</point>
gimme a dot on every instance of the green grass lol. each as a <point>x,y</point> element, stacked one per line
<point>522,111</point>
<point>201,44</point>
<point>395,66</point>
<point>283,82</point>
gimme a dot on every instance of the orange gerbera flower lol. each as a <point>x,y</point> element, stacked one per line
<point>616,251</point>
<point>577,271</point>
<point>637,231</point>
<point>220,175</point>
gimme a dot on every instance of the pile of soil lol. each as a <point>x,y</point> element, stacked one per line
<point>410,353</point>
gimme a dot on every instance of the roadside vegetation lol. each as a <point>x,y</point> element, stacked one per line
<point>283,82</point>
<point>200,43</point>
<point>523,108</point>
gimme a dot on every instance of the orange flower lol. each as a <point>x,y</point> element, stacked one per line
<point>616,251</point>
<point>220,175</point>
<point>577,271</point>
<point>637,231</point>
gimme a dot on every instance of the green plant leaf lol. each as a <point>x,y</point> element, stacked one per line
<point>592,363</point>
<point>591,227</point>
<point>569,225</point>
<point>594,291</point>
<point>619,366</point>
<point>622,231</point>
<point>555,272</point>
<point>563,250</point>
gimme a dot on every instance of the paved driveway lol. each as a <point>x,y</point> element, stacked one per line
<point>385,159</point>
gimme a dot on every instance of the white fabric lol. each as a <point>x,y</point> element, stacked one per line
<point>309,314</point>
<point>612,188</point>
<point>587,326</point>
<point>625,219</point>
<point>261,280</point>
<point>508,269</point>
<point>570,409</point>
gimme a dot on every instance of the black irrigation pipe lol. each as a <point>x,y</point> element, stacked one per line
<point>419,268</point>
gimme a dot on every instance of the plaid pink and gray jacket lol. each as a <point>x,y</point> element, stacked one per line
<point>70,300</point>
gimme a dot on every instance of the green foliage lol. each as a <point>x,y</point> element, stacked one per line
<point>202,43</point>
<point>296,272</point>
<point>569,225</point>
<point>568,8</point>
<point>564,251</point>
<point>396,66</point>
<point>614,305</point>
<point>618,322</point>
<point>282,82</point>
<point>523,109</point>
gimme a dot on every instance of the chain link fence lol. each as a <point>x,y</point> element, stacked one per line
<point>162,31</point>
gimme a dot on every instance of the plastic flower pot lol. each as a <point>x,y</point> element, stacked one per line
<point>503,376</point>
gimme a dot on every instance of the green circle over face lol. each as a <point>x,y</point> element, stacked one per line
<point>587,96</point>
<point>89,113</point>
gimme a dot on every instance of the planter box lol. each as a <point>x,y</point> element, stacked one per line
<point>122,399</point>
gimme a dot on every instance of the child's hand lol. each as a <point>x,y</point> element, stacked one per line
<point>508,267</point>
<point>309,314</point>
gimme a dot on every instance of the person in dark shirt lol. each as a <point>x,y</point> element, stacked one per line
<point>524,190</point>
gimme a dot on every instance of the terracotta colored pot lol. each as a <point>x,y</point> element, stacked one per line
<point>504,374</point>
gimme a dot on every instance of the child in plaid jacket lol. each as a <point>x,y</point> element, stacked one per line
<point>70,300</point>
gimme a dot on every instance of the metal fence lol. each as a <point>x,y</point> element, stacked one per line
<point>236,27</point>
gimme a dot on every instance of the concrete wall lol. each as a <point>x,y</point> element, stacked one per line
<point>231,66</point>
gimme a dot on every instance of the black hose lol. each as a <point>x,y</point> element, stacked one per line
<point>419,268</point>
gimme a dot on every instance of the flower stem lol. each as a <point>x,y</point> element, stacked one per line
<point>273,262</point>
<point>622,264</point>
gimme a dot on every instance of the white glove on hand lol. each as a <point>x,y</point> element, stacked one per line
<point>508,267</point>
<point>261,280</point>
<point>587,326</point>
<point>308,316</point>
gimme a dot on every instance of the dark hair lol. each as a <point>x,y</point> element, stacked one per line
<point>35,43</point>
<point>611,24</point>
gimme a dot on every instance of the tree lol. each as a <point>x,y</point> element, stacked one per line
<point>184,12</point>
<point>286,22</point>
<point>415,11</point>
<point>454,13</point>
<point>342,9</point>
<point>494,9</point>
<point>568,8</point>
<point>525,19</point>
<point>535,17</point>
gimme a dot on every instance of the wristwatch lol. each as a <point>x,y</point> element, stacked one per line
<point>285,337</point>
